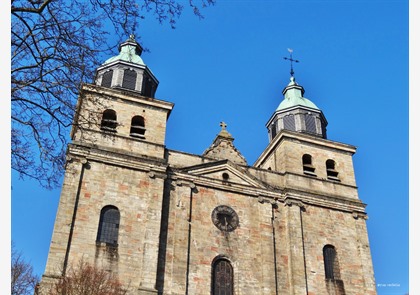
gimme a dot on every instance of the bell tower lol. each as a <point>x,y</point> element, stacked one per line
<point>109,213</point>
<point>322,215</point>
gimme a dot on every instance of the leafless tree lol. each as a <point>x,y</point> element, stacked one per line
<point>86,279</point>
<point>55,46</point>
<point>23,280</point>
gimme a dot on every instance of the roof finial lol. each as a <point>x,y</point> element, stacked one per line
<point>291,61</point>
<point>223,125</point>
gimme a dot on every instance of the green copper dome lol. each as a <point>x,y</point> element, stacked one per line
<point>293,96</point>
<point>130,51</point>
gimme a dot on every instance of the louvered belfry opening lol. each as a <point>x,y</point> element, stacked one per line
<point>307,164</point>
<point>109,121</point>
<point>107,78</point>
<point>331,172</point>
<point>109,224</point>
<point>310,123</point>
<point>129,79</point>
<point>289,122</point>
<point>149,86</point>
<point>222,278</point>
<point>137,127</point>
<point>274,129</point>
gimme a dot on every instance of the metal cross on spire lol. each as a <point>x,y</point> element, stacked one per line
<point>291,61</point>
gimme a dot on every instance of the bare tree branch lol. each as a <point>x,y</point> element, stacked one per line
<point>87,279</point>
<point>56,45</point>
<point>23,280</point>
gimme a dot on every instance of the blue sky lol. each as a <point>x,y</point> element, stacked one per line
<point>354,65</point>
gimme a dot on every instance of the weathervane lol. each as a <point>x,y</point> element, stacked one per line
<point>291,61</point>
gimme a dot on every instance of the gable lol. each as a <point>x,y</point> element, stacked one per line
<point>224,172</point>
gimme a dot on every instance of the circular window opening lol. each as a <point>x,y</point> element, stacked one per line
<point>225,176</point>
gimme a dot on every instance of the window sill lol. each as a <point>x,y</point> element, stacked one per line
<point>309,173</point>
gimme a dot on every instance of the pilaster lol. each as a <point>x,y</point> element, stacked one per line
<point>178,237</point>
<point>362,240</point>
<point>294,232</point>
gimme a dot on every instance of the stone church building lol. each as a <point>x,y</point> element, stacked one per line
<point>169,222</point>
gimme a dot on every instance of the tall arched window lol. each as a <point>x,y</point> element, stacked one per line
<point>109,120</point>
<point>222,277</point>
<point>330,262</point>
<point>109,223</point>
<point>137,127</point>
<point>331,172</point>
<point>308,168</point>
<point>332,270</point>
<point>129,79</point>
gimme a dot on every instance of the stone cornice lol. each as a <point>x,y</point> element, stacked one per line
<point>127,95</point>
<point>272,196</point>
<point>156,167</point>
<point>332,202</point>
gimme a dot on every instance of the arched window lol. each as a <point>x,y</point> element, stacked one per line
<point>308,168</point>
<point>129,79</point>
<point>109,224</point>
<point>332,270</point>
<point>109,120</point>
<point>222,277</point>
<point>137,127</point>
<point>107,79</point>
<point>331,263</point>
<point>331,172</point>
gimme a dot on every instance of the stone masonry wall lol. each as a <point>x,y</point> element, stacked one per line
<point>139,200</point>
<point>249,248</point>
<point>323,226</point>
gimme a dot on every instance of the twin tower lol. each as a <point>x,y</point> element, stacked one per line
<point>169,222</point>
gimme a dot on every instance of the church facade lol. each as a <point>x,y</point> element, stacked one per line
<point>169,222</point>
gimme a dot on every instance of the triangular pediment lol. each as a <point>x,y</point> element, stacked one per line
<point>224,171</point>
